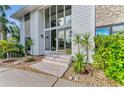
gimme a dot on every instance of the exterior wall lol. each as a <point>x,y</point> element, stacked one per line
<point>109,14</point>
<point>83,20</point>
<point>22,32</point>
<point>36,28</point>
<point>41,33</point>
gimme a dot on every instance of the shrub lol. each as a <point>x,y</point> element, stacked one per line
<point>2,53</point>
<point>109,56</point>
<point>68,51</point>
<point>79,64</point>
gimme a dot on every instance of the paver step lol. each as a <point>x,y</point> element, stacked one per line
<point>55,62</point>
<point>57,59</point>
<point>50,68</point>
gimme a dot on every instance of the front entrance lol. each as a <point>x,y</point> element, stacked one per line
<point>58,40</point>
<point>57,28</point>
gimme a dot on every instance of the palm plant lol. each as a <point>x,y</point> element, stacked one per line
<point>14,31</point>
<point>77,41</point>
<point>3,21</point>
<point>85,43</point>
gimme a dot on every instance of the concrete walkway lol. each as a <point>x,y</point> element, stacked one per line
<point>21,78</point>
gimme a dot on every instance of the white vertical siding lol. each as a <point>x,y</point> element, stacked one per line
<point>36,28</point>
<point>34,31</point>
<point>22,32</point>
<point>40,32</point>
<point>83,20</point>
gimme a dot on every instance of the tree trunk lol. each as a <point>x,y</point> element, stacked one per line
<point>7,53</point>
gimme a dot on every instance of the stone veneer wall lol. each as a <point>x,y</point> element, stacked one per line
<point>109,14</point>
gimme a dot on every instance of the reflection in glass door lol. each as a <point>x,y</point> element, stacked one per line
<point>61,39</point>
<point>64,39</point>
<point>53,40</point>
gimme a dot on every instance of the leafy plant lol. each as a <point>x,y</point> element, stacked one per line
<point>77,41</point>
<point>28,45</point>
<point>109,56</point>
<point>85,43</point>
<point>79,63</point>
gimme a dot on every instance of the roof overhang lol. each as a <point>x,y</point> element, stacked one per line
<point>26,9</point>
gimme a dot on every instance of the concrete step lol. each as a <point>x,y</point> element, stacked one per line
<point>56,62</point>
<point>58,59</point>
<point>50,68</point>
<point>68,57</point>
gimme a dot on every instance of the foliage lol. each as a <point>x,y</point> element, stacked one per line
<point>8,46</point>
<point>14,31</point>
<point>28,44</point>
<point>77,41</point>
<point>68,51</point>
<point>4,21</point>
<point>85,43</point>
<point>79,63</point>
<point>2,53</point>
<point>109,56</point>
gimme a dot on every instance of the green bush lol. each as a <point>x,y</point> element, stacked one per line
<point>2,53</point>
<point>79,63</point>
<point>109,56</point>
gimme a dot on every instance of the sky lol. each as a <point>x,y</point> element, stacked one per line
<point>13,9</point>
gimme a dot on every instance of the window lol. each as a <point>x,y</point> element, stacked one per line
<point>27,17</point>
<point>47,18</point>
<point>60,16</point>
<point>103,31</point>
<point>53,16</point>
<point>68,14</point>
<point>117,28</point>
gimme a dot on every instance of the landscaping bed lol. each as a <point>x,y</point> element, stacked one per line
<point>22,63</point>
<point>95,77</point>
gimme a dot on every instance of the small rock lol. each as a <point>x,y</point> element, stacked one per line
<point>70,77</point>
<point>76,78</point>
<point>17,63</point>
<point>1,62</point>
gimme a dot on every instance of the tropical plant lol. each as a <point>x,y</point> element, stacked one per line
<point>85,43</point>
<point>14,31</point>
<point>109,56</point>
<point>28,44</point>
<point>79,63</point>
<point>77,41</point>
<point>8,46</point>
<point>4,21</point>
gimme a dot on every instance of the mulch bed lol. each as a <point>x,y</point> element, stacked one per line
<point>95,78</point>
<point>24,65</point>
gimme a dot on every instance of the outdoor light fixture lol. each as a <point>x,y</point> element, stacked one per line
<point>41,35</point>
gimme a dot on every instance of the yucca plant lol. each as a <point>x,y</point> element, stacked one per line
<point>79,63</point>
<point>77,41</point>
<point>85,43</point>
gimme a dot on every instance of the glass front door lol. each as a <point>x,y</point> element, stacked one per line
<point>64,39</point>
<point>61,39</point>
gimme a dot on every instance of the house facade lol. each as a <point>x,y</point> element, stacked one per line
<point>53,28</point>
